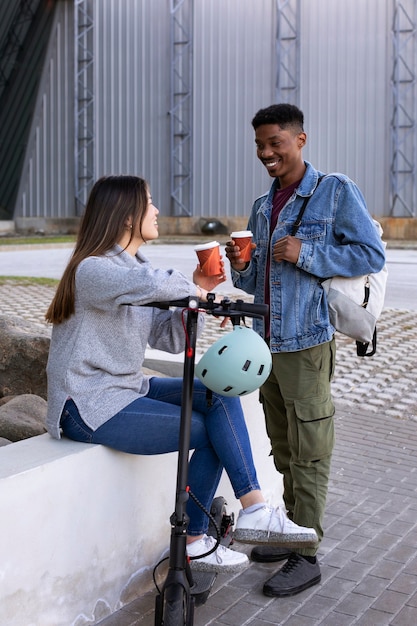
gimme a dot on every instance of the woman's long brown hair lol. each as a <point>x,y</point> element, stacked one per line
<point>113,201</point>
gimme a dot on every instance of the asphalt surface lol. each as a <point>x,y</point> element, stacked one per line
<point>368,556</point>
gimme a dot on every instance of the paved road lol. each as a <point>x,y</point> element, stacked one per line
<point>50,263</point>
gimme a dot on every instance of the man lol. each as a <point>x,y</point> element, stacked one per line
<point>336,237</point>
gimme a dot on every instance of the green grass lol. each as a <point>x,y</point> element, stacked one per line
<point>28,280</point>
<point>15,241</point>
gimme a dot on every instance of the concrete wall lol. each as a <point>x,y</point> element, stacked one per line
<point>83,526</point>
<point>395,228</point>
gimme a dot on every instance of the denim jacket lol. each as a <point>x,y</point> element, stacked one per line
<point>338,238</point>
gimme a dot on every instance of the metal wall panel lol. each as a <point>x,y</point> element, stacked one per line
<point>235,71</point>
<point>345,91</point>
<point>345,68</point>
<point>234,61</point>
<point>132,69</point>
<point>47,186</point>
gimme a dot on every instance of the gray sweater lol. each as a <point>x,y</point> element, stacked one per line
<point>96,355</point>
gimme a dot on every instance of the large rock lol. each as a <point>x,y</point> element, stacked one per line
<point>6,399</point>
<point>24,351</point>
<point>23,417</point>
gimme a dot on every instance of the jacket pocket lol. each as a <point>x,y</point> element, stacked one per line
<point>312,231</point>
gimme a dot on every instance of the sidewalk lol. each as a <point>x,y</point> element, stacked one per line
<point>369,554</point>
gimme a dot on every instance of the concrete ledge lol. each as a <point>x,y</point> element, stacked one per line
<point>168,226</point>
<point>47,225</point>
<point>395,228</point>
<point>83,526</point>
<point>6,226</point>
<point>399,228</point>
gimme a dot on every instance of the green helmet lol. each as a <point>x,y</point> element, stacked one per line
<point>236,364</point>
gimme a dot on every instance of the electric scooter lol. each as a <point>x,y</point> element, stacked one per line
<point>184,589</point>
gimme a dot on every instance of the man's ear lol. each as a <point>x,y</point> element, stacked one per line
<point>301,140</point>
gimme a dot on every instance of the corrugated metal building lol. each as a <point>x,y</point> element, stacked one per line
<point>167,90</point>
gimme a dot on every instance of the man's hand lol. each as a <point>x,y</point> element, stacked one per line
<point>233,254</point>
<point>286,249</point>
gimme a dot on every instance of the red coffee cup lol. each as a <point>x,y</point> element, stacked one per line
<point>209,258</point>
<point>243,239</point>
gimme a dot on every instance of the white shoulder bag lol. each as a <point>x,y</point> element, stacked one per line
<point>356,303</point>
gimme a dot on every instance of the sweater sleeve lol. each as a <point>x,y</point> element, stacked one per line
<point>169,330</point>
<point>108,282</point>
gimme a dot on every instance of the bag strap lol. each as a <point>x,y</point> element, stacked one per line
<point>362,348</point>
<point>301,211</point>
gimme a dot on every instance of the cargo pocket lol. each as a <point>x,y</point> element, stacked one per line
<point>315,428</point>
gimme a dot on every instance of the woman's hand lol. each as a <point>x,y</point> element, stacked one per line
<point>209,282</point>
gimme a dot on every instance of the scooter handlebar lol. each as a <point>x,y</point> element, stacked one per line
<point>225,308</point>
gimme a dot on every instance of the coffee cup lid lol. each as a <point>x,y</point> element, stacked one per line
<point>205,246</point>
<point>241,233</point>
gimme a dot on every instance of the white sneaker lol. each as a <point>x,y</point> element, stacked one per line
<point>221,560</point>
<point>269,525</point>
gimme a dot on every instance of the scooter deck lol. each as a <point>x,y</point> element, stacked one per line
<point>202,585</point>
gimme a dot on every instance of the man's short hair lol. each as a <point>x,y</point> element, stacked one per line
<point>285,115</point>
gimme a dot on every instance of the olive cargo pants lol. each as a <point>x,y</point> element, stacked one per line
<point>298,408</point>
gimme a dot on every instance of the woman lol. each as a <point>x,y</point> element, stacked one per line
<point>97,391</point>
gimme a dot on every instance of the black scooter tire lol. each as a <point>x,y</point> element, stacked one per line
<point>179,611</point>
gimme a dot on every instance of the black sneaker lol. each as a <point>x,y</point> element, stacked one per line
<point>269,554</point>
<point>296,575</point>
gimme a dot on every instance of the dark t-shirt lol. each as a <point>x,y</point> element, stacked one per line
<point>281,197</point>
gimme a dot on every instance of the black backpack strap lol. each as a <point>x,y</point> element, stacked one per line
<point>362,348</point>
<point>301,211</point>
<point>299,216</point>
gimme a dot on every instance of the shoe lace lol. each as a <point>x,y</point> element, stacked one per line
<point>209,543</point>
<point>277,513</point>
<point>291,564</point>
<point>221,550</point>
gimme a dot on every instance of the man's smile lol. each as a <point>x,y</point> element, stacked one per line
<point>271,164</point>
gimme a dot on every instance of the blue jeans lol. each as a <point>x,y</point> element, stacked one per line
<point>151,425</point>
